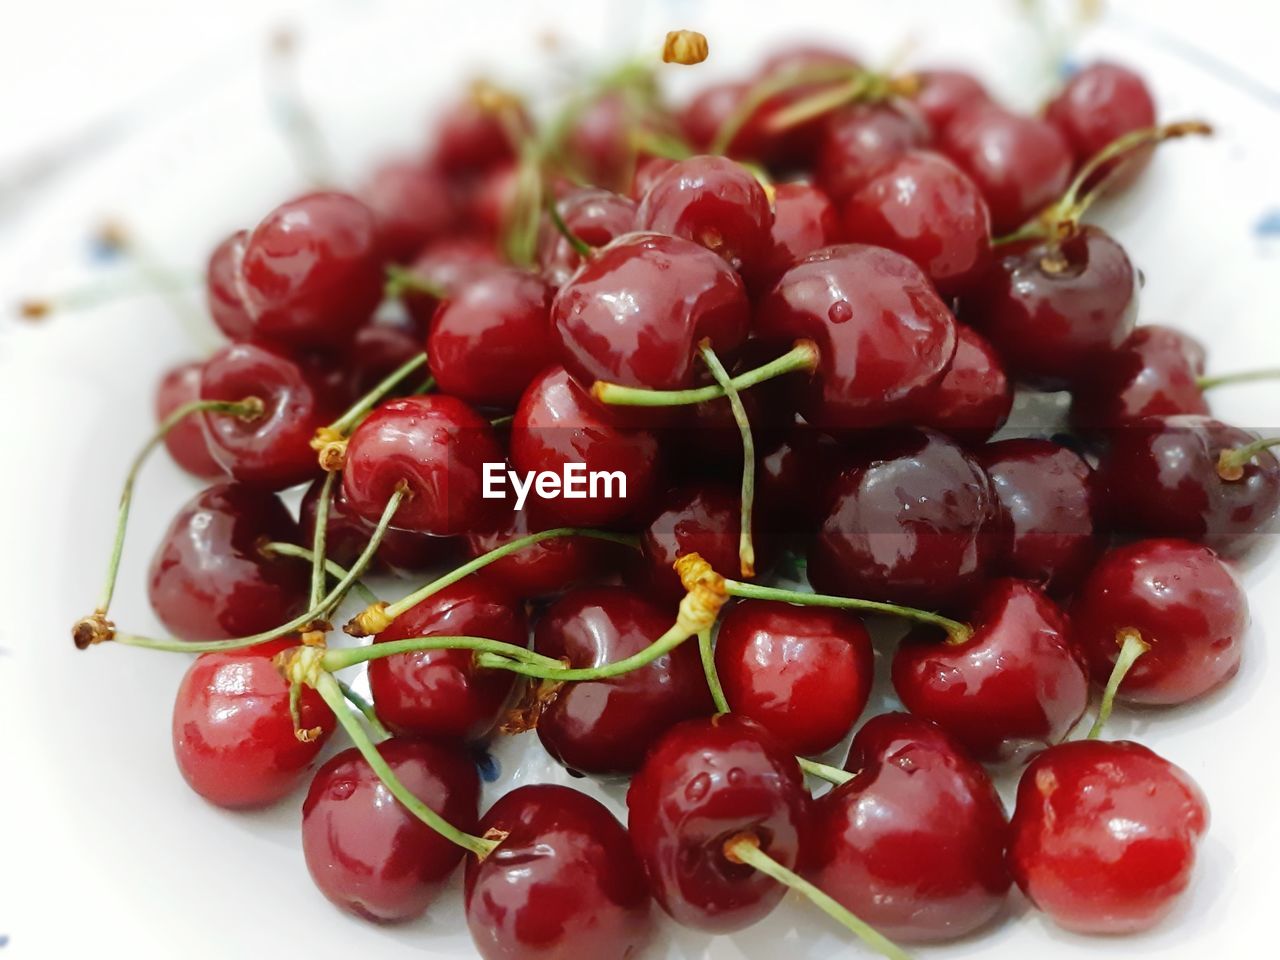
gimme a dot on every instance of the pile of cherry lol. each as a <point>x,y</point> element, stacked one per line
<point>839,272</point>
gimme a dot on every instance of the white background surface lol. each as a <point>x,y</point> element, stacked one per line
<point>104,851</point>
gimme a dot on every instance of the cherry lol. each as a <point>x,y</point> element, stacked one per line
<point>366,852</point>
<point>716,203</point>
<point>1181,601</point>
<point>910,522</point>
<point>1016,682</point>
<point>564,881</point>
<point>1153,373</point>
<point>272,450</point>
<point>605,727</point>
<point>557,423</point>
<point>475,133</point>
<point>914,844</point>
<point>803,673</point>
<point>442,693</point>
<point>792,476</point>
<point>489,204</point>
<point>924,207</point>
<point>1053,308</point>
<point>599,142</point>
<point>179,386</point>
<point>884,336</point>
<point>1051,507</point>
<point>377,351</point>
<point>637,311</point>
<point>595,217</point>
<point>210,579</point>
<point>648,170</point>
<point>705,115</point>
<point>973,399</point>
<point>1098,104</point>
<point>703,784</point>
<point>860,140</point>
<point>492,337</point>
<point>411,205</point>
<point>435,445</point>
<point>1019,163</point>
<point>1162,478</point>
<point>233,736</point>
<point>307,276</point>
<point>944,93</point>
<point>1104,835</point>
<point>444,266</point>
<point>804,219</point>
<point>545,569</point>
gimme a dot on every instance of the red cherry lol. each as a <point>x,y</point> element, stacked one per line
<point>545,569</point>
<point>1181,600</point>
<point>792,477</point>
<point>563,882</point>
<point>437,446</point>
<point>884,336</point>
<point>648,170</point>
<point>442,693</point>
<point>702,784</point>
<point>209,578</point>
<point>489,202</point>
<point>637,311</point>
<point>914,843</point>
<point>595,217</point>
<point>471,136</point>
<point>944,93</point>
<point>1021,164</point>
<point>605,727</point>
<point>861,140</point>
<point>803,673</point>
<point>973,399</point>
<point>233,736</point>
<point>1105,835</point>
<point>1098,104</point>
<point>1153,373</point>
<point>702,118</point>
<point>185,442</point>
<point>1017,682</point>
<point>411,205</point>
<point>912,521</point>
<point>223,293</point>
<point>924,207</point>
<point>599,143</point>
<point>447,265</point>
<point>377,351</point>
<point>366,852</point>
<point>803,220</point>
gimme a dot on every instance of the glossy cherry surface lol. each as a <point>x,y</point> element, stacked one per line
<point>1105,835</point>
<point>861,140</point>
<point>377,351</point>
<point>1016,683</point>
<point>1181,600</point>
<point>704,783</point>
<point>471,137</point>
<point>547,568</point>
<point>366,852</point>
<point>563,882</point>
<point>448,264</point>
<point>792,476</point>
<point>973,399</point>
<point>186,443</point>
<point>804,220</point>
<point>599,144</point>
<point>595,217</point>
<point>411,205</point>
<point>233,736</point>
<point>210,581</point>
<point>803,673</point>
<point>945,92</point>
<point>883,334</point>
<point>605,727</point>
<point>1099,103</point>
<point>1153,373</point>
<point>914,844</point>
<point>442,693</point>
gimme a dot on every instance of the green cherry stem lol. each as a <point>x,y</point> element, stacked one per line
<point>580,246</point>
<point>344,657</point>
<point>366,709</point>
<point>357,411</point>
<point>707,651</point>
<point>819,104</point>
<point>824,771</point>
<point>334,569</point>
<point>318,539</point>
<point>769,87</point>
<point>1244,376</point>
<point>1231,463</point>
<point>402,280</point>
<point>677,634</point>
<point>1132,646</point>
<point>746,548</point>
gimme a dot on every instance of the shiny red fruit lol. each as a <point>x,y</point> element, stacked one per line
<point>377,351</point>
<point>1098,104</point>
<point>595,217</point>
<point>546,569</point>
<point>186,443</point>
<point>411,204</point>
<point>792,477</point>
<point>861,140</point>
<point>973,399</point>
<point>448,264</point>
<point>944,93</point>
<point>804,220</point>
<point>470,136</point>
<point>1152,373</point>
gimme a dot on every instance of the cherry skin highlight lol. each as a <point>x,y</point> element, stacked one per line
<point>973,399</point>
<point>804,220</point>
<point>186,443</point>
<point>1153,373</point>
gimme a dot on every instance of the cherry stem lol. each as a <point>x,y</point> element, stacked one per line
<point>957,632</point>
<point>771,87</point>
<point>102,292</point>
<point>677,634</point>
<point>402,280</point>
<point>746,548</point>
<point>583,249</point>
<point>318,538</point>
<point>521,240</point>
<point>341,659</point>
<point>379,616</point>
<point>707,651</point>
<point>803,355</point>
<point>820,103</point>
<point>1245,376</point>
<point>357,411</point>
<point>824,771</point>
<point>366,708</point>
<point>745,848</point>
<point>334,569</point>
<point>655,144</point>
<point>1132,646</point>
<point>329,689</point>
<point>1231,463</point>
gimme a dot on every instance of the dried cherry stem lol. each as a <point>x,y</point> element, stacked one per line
<point>803,356</point>
<point>746,548</point>
<point>1243,376</point>
<point>824,771</point>
<point>745,848</point>
<point>583,249</point>
<point>685,47</point>
<point>707,651</point>
<point>96,627</point>
<point>344,657</point>
<point>1132,646</point>
<point>402,280</point>
<point>378,617</point>
<point>769,87</point>
<point>1231,463</point>
<point>366,709</point>
<point>334,569</point>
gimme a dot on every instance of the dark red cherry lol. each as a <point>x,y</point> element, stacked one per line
<point>233,735</point>
<point>447,264</point>
<point>803,220</point>
<point>884,336</point>
<point>1153,373</point>
<point>492,337</point>
<point>599,143</point>
<point>411,204</point>
<point>1161,479</point>
<point>925,207</point>
<point>1051,509</point>
<point>490,202</point>
<point>636,313</point>
<point>557,424</point>
<point>1021,164</point>
<point>438,446</point>
<point>648,170</point>
<point>1054,308</point>
<point>1181,600</point>
<point>1098,104</point>
<point>803,673</point>
<point>209,578</point>
<point>914,844</point>
<point>703,784</point>
<point>223,291</point>
<point>442,693</point>
<point>547,568</point>
<point>471,136</point>
<point>595,217</point>
<point>1104,835</point>
<point>861,140</point>
<point>973,399</point>
<point>366,852</point>
<point>605,727</point>
<point>912,521</point>
<point>703,116</point>
<point>563,882</point>
<point>377,351</point>
<point>185,442</point>
<point>792,476</point>
<point>1016,683</point>
<point>944,93</point>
